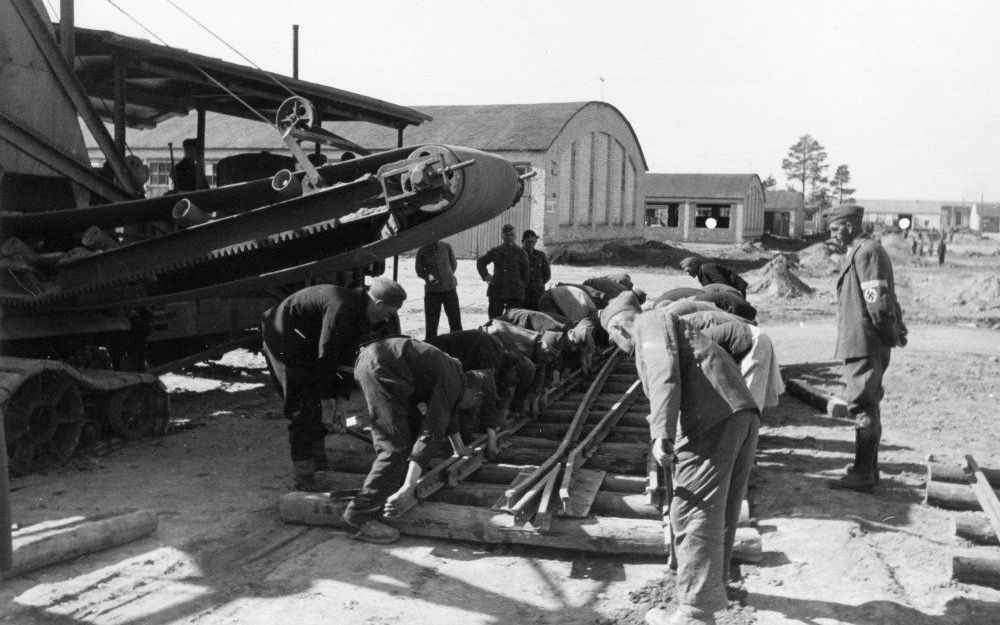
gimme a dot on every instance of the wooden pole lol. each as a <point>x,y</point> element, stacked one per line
<point>67,32</point>
<point>6,545</point>
<point>940,472</point>
<point>47,543</point>
<point>975,528</point>
<point>976,566</point>
<point>952,496</point>
<point>119,112</point>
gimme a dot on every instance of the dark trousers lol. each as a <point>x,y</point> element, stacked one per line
<point>864,392</point>
<point>432,311</point>
<point>531,296</point>
<point>394,422</point>
<point>301,405</point>
<point>500,305</point>
<point>710,483</point>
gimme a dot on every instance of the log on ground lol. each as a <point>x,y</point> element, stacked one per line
<point>976,566</point>
<point>951,496</point>
<point>48,543</point>
<point>941,472</point>
<point>976,528</point>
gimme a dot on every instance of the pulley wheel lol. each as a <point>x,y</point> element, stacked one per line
<point>43,421</point>
<point>138,412</point>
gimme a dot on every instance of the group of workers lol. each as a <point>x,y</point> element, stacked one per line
<point>706,368</point>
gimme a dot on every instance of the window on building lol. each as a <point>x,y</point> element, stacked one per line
<point>663,214</point>
<point>159,174</point>
<point>719,213</point>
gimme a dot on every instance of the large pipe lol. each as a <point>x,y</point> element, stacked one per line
<point>295,51</point>
<point>67,31</point>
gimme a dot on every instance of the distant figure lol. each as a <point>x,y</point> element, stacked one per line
<point>436,264</point>
<point>538,270</point>
<point>942,249</point>
<point>509,277</point>
<point>186,174</point>
<point>714,273</point>
<point>913,247</point>
<point>920,246</point>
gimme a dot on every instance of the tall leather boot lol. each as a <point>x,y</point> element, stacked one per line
<point>319,455</point>
<point>861,475</point>
<point>305,476</point>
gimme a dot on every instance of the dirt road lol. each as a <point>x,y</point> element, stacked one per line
<point>221,555</point>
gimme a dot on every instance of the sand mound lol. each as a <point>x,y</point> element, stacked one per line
<point>979,293</point>
<point>819,259</point>
<point>777,280</point>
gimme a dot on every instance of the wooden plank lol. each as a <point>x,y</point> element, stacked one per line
<point>583,490</point>
<point>976,566</point>
<point>987,498</point>
<point>44,544</point>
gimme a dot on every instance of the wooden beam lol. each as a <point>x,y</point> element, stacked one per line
<point>66,78</point>
<point>67,30</point>
<point>976,566</point>
<point>940,472</point>
<point>987,498</point>
<point>47,543</point>
<point>951,496</point>
<point>6,544</point>
<point>976,528</point>
<point>119,108</point>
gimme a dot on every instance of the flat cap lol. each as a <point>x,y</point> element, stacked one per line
<point>388,291</point>
<point>529,234</point>
<point>626,300</point>
<point>689,262</point>
<point>844,211</point>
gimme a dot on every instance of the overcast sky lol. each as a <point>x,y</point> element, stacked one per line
<point>907,94</point>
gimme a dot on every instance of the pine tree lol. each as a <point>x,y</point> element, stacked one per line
<point>842,178</point>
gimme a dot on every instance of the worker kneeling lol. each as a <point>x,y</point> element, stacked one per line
<point>697,398</point>
<point>396,374</point>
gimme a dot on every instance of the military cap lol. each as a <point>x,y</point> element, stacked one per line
<point>528,234</point>
<point>626,300</point>
<point>388,291</point>
<point>507,228</point>
<point>689,262</point>
<point>844,211</point>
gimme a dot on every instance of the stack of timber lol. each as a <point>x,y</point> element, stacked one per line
<point>574,479</point>
<point>968,489</point>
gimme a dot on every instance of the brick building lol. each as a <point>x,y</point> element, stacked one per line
<point>784,213</point>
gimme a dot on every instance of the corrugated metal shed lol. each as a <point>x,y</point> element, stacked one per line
<point>775,200</point>
<point>693,186</point>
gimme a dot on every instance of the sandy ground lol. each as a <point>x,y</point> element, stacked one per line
<point>221,555</point>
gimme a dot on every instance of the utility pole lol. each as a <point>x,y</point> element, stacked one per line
<point>295,51</point>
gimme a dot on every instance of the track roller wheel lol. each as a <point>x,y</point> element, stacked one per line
<point>43,421</point>
<point>138,412</point>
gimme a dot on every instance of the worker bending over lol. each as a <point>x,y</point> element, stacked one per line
<point>396,374</point>
<point>703,417</point>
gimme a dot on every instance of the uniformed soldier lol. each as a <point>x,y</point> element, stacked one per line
<point>309,341</point>
<point>510,274</point>
<point>396,374</point>
<point>869,325</point>
<point>539,272</point>
<point>700,407</point>
<point>538,347</point>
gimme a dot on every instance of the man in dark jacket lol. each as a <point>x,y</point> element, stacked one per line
<point>869,325</point>
<point>510,274</point>
<point>396,374</point>
<point>698,400</point>
<point>309,341</point>
<point>714,273</point>
<point>538,270</point>
<point>436,265</point>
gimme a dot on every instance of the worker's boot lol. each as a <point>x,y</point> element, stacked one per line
<point>685,615</point>
<point>374,532</point>
<point>319,455</point>
<point>861,475</point>
<point>305,477</point>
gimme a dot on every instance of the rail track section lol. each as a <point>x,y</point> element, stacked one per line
<point>576,478</point>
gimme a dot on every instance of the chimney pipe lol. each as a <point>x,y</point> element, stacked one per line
<point>295,51</point>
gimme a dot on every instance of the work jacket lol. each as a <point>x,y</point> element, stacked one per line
<point>510,271</point>
<point>319,327</point>
<point>712,273</point>
<point>436,265</point>
<point>868,315</point>
<point>691,383</point>
<point>538,272</point>
<point>409,372</point>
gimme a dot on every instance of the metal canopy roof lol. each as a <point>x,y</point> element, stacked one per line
<point>163,82</point>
